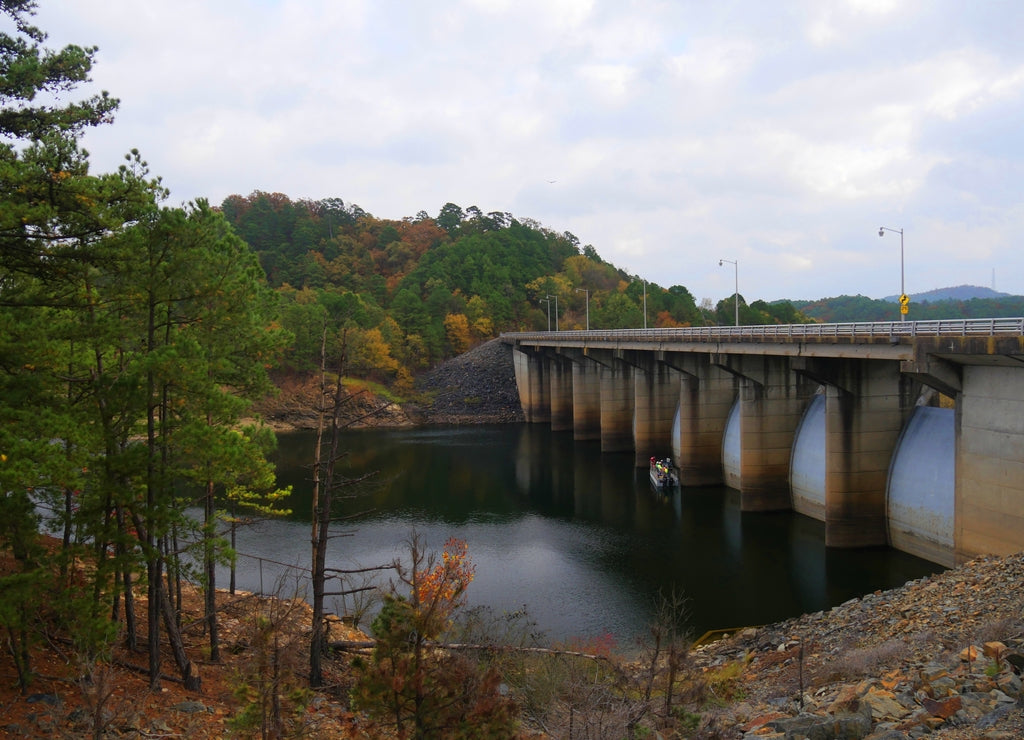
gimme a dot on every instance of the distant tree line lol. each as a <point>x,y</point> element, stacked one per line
<point>861,308</point>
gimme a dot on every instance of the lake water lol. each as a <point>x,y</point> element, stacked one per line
<point>578,537</point>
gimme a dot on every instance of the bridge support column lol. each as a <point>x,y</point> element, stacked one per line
<point>617,406</point>
<point>867,402</point>
<point>656,398</point>
<point>586,399</point>
<point>533,384</point>
<point>560,378</point>
<point>772,400</point>
<point>706,395</point>
<point>989,498</point>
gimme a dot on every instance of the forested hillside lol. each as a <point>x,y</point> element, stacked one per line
<point>403,295</point>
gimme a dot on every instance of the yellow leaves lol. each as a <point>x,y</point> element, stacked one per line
<point>456,327</point>
<point>370,353</point>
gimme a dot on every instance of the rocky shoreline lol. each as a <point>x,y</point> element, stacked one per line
<point>940,656</point>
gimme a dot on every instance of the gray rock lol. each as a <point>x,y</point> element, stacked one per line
<point>52,699</point>
<point>1000,697</point>
<point>847,726</point>
<point>993,717</point>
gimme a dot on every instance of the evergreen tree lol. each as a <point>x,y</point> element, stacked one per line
<point>134,339</point>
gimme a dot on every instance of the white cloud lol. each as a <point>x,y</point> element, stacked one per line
<point>780,135</point>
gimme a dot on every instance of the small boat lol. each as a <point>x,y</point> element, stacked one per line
<point>664,474</point>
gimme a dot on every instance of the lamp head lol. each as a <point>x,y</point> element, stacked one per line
<point>719,263</point>
<point>881,231</point>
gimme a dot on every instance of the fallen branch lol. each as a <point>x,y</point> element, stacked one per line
<point>362,645</point>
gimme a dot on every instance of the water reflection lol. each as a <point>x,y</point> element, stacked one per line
<point>578,537</point>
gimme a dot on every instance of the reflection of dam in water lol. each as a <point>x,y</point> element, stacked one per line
<point>839,422</point>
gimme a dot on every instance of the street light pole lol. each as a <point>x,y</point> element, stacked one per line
<point>548,301</point>
<point>736,295</point>
<point>587,295</point>
<point>903,289</point>
<point>645,304</point>
<point>556,312</point>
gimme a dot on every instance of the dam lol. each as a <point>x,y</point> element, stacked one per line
<point>906,434</point>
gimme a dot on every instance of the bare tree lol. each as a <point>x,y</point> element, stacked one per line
<point>334,415</point>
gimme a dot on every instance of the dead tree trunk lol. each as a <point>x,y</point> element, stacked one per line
<point>323,482</point>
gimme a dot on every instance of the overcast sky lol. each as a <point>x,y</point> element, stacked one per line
<point>667,134</point>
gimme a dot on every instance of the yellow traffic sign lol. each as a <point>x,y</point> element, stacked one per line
<point>904,308</point>
<point>904,300</point>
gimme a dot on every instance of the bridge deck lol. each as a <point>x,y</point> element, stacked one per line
<point>888,340</point>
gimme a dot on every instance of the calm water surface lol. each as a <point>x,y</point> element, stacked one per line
<point>577,537</point>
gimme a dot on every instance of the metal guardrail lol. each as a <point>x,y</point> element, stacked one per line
<point>789,332</point>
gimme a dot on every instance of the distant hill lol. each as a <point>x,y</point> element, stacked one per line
<point>962,302</point>
<point>957,293</point>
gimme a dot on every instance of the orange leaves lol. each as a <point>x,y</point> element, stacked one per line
<point>665,320</point>
<point>439,588</point>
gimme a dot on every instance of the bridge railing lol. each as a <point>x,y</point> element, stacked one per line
<point>789,332</point>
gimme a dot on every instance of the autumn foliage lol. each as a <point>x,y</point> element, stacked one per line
<point>411,682</point>
<point>414,292</point>
<point>439,590</point>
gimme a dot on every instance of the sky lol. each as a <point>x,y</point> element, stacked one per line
<point>668,134</point>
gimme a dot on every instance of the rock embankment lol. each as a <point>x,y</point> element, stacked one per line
<point>474,388</point>
<point>941,656</point>
<point>478,387</point>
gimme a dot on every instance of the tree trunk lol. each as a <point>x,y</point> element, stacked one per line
<point>154,559</point>
<point>130,627</point>
<point>323,487</point>
<point>154,577</point>
<point>234,558</point>
<point>189,677</point>
<point>318,539</point>
<point>211,572</point>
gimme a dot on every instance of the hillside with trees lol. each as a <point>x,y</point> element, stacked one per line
<point>401,296</point>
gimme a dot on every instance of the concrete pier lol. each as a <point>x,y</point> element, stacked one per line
<point>586,398</point>
<point>990,462</point>
<point>706,395</point>
<point>772,400</point>
<point>656,399</point>
<point>617,405</point>
<point>560,393</point>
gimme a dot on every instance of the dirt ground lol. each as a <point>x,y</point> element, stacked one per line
<point>67,700</point>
